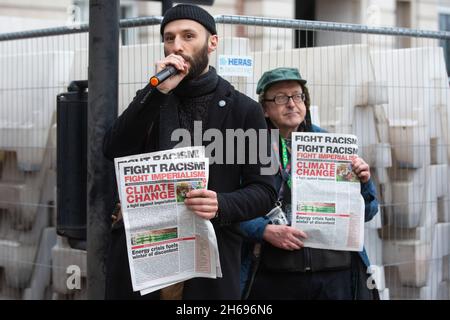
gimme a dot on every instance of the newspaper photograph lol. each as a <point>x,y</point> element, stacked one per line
<point>166,242</point>
<point>326,194</point>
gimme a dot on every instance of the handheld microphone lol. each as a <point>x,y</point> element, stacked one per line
<point>163,75</point>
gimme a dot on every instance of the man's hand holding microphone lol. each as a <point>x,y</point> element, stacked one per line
<point>169,73</point>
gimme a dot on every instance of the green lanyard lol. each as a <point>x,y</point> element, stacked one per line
<point>285,158</point>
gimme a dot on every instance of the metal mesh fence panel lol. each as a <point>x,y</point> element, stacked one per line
<point>388,86</point>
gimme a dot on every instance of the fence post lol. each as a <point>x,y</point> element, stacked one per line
<point>102,111</point>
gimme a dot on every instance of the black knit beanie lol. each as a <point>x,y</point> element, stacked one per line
<point>190,12</point>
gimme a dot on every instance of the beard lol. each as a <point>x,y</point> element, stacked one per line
<point>198,62</point>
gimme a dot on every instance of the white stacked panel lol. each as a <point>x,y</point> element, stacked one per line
<point>366,127</point>
<point>24,199</point>
<point>410,142</point>
<point>377,276</point>
<point>411,85</point>
<point>443,209</point>
<point>416,193</point>
<point>40,282</point>
<point>444,111</point>
<point>372,240</point>
<point>417,110</point>
<point>30,83</point>
<point>17,261</point>
<point>18,248</point>
<point>66,262</point>
<point>421,262</point>
<point>384,294</point>
<point>418,103</point>
<point>446,271</point>
<point>20,192</point>
<point>374,248</point>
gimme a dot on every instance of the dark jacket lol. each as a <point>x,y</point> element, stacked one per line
<point>243,194</point>
<point>254,229</point>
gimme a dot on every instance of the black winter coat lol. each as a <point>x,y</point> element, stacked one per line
<point>243,193</point>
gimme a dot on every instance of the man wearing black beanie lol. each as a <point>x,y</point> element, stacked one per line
<point>236,192</point>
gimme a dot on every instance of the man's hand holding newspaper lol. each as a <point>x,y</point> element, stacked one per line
<point>166,210</point>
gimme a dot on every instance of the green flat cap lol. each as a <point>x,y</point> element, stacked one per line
<point>277,75</point>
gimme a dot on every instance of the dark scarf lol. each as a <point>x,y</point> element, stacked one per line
<point>190,103</point>
<point>195,96</point>
<point>204,84</point>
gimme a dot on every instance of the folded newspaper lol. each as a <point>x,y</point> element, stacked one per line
<point>326,194</point>
<point>167,243</point>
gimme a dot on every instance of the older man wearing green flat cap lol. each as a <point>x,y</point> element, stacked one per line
<point>285,269</point>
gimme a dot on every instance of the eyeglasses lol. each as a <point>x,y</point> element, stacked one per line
<point>283,99</point>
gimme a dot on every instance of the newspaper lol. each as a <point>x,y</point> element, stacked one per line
<point>326,194</point>
<point>167,243</point>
